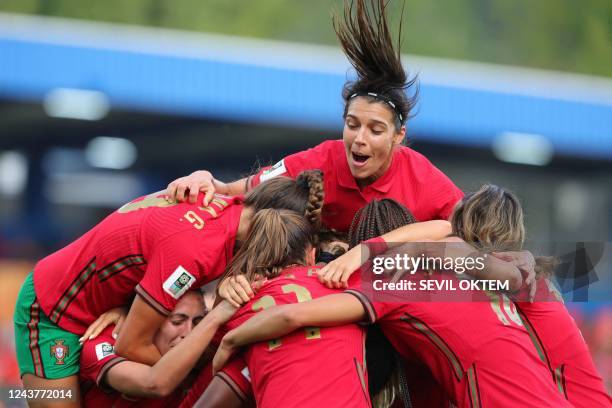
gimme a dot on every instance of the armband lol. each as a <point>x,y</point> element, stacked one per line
<point>377,246</point>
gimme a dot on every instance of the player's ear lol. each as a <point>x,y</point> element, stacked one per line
<point>398,137</point>
<point>311,255</point>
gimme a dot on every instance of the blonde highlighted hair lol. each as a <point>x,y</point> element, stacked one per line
<point>491,219</point>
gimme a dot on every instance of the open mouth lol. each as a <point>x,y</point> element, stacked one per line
<point>359,159</point>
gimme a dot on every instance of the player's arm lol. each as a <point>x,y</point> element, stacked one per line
<point>136,340</point>
<point>140,380</point>
<point>188,187</point>
<point>202,180</point>
<point>336,273</point>
<point>491,267</point>
<point>274,322</point>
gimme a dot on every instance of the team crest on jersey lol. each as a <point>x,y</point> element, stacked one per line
<point>60,351</point>
<point>179,282</point>
<point>276,170</point>
<point>104,350</point>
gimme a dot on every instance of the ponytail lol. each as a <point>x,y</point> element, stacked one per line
<point>276,239</point>
<point>545,265</point>
<point>313,181</point>
<point>365,39</point>
<point>304,195</point>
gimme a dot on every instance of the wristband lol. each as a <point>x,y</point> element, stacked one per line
<point>377,246</point>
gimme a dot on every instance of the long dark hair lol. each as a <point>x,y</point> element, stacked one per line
<point>384,364</point>
<point>365,39</point>
<point>304,195</point>
<point>378,218</point>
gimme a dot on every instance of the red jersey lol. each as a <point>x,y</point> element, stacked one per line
<point>235,375</point>
<point>150,246</point>
<point>411,179</point>
<point>97,358</point>
<point>562,347</point>
<point>479,351</point>
<point>318,367</point>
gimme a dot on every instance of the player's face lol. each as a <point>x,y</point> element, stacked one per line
<point>188,312</point>
<point>369,137</point>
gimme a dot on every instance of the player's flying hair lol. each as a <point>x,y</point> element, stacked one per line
<point>365,38</point>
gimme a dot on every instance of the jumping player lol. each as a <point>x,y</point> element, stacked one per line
<point>479,351</point>
<point>151,247</point>
<point>370,161</point>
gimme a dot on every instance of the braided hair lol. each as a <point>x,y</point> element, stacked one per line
<point>304,195</point>
<point>378,218</point>
<point>383,363</point>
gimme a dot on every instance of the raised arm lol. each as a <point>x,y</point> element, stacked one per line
<point>493,268</point>
<point>188,187</point>
<point>140,380</point>
<point>336,273</point>
<point>331,310</point>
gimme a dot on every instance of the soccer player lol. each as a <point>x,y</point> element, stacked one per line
<point>555,335</point>
<point>110,380</point>
<point>370,161</point>
<point>150,247</point>
<point>479,352</point>
<point>287,371</point>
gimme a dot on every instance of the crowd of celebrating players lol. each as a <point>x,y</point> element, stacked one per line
<point>117,316</point>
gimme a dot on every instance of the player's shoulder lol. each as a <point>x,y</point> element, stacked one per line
<point>300,273</point>
<point>322,152</point>
<point>419,166</point>
<point>409,156</point>
<point>304,276</point>
<point>331,145</point>
<point>100,348</point>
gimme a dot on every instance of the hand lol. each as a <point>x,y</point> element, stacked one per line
<point>236,290</point>
<point>223,312</point>
<point>200,180</point>
<point>336,274</point>
<point>525,262</point>
<point>223,354</point>
<point>114,316</point>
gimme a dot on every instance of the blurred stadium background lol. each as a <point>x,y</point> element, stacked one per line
<point>101,102</point>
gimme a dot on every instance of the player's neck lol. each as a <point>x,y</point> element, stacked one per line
<point>243,226</point>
